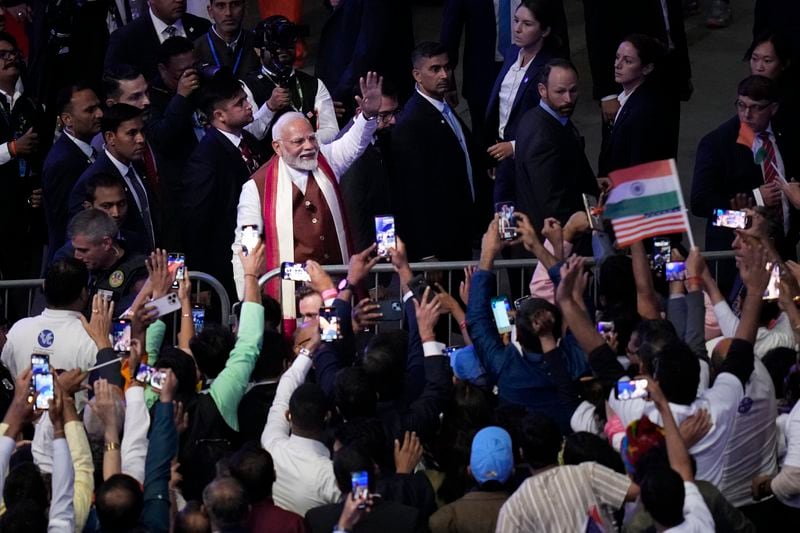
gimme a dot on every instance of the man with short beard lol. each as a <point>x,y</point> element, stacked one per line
<point>295,199</point>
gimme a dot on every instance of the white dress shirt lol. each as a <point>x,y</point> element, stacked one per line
<point>11,99</point>
<point>327,125</point>
<point>83,146</point>
<point>162,26</point>
<point>303,468</point>
<point>508,93</point>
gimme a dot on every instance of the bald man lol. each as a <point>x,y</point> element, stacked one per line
<point>294,199</point>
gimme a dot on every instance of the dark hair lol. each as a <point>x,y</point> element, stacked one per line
<point>583,447</point>
<point>211,348</point>
<point>650,51</point>
<point>758,88</point>
<point>10,39</point>
<point>353,393</point>
<point>118,502</point>
<point>542,10</point>
<point>192,519</point>
<point>275,351</point>
<point>116,115</point>
<point>308,407</point>
<point>555,63</point>
<point>352,459</point>
<point>273,314</point>
<point>526,334</point>
<point>65,281</point>
<point>220,88</point>
<point>426,50</point>
<point>778,362</point>
<point>370,437</point>
<point>384,363</point>
<point>252,466</point>
<point>616,282</point>
<point>225,502</point>
<point>172,47</point>
<point>677,370</point>
<point>115,74</point>
<point>64,96</point>
<point>184,368</point>
<point>652,336</point>
<point>25,483</point>
<point>102,180</point>
<point>540,440</point>
<point>662,495</point>
<point>782,46</point>
<point>27,516</point>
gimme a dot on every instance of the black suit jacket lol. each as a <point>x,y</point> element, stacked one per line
<point>637,135</point>
<point>433,205</point>
<point>608,22</point>
<point>551,168</point>
<point>137,43</point>
<point>134,221</point>
<point>63,166</point>
<point>212,181</point>
<point>724,168</point>
<point>248,60</point>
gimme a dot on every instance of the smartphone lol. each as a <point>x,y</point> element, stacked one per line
<point>250,238</point>
<point>391,310</point>
<point>500,309</point>
<point>41,380</point>
<point>662,253</point>
<point>176,263</point>
<point>359,487</point>
<point>294,272</point>
<point>676,271</point>
<point>417,286</point>
<point>506,221</point>
<point>605,328</point>
<point>328,324</point>
<point>592,211</point>
<point>166,304</point>
<point>385,234</point>
<point>121,336</point>
<point>726,218</point>
<point>198,317</point>
<point>773,290</point>
<point>153,376</point>
<point>631,390</point>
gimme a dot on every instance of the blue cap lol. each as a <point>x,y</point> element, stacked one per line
<point>492,457</point>
<point>466,365</point>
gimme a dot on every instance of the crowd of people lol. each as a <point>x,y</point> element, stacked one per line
<point>139,141</point>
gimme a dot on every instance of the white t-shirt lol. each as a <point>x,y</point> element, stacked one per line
<point>751,449</point>
<point>57,333</point>
<point>721,402</point>
<point>792,457</point>
<point>696,516</point>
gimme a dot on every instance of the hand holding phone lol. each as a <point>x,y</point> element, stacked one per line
<point>506,221</point>
<point>250,238</point>
<point>385,234</point>
<point>328,324</point>
<point>676,271</point>
<point>41,381</point>
<point>631,390</point>
<point>727,218</point>
<point>500,309</point>
<point>198,317</point>
<point>121,336</point>
<point>360,487</point>
<point>294,272</point>
<point>176,264</point>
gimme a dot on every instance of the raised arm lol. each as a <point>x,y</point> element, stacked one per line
<point>677,453</point>
<point>647,298</point>
<point>62,514</point>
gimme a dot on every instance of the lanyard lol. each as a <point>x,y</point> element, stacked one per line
<point>216,57</point>
<point>299,107</point>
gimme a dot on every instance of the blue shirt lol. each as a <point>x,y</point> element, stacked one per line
<point>552,112</point>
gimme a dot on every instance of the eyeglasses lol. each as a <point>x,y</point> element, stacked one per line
<point>9,54</point>
<point>743,108</point>
<point>386,116</point>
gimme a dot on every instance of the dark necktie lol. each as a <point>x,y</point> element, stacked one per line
<point>144,205</point>
<point>170,31</point>
<point>250,160</point>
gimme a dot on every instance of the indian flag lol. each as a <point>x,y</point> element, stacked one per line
<point>646,201</point>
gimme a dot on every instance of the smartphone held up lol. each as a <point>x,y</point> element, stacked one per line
<point>41,381</point>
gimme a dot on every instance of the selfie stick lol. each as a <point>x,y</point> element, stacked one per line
<point>107,363</point>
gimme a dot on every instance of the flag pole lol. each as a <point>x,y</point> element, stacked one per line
<point>684,211</point>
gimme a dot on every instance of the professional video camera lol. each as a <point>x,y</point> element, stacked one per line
<point>275,34</point>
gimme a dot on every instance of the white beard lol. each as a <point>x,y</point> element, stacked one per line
<point>298,163</point>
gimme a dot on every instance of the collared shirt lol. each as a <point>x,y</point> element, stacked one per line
<point>757,145</point>
<point>233,44</point>
<point>123,169</point>
<point>552,113</point>
<point>11,100</point>
<point>161,27</point>
<point>236,140</point>
<point>85,147</point>
<point>508,92</point>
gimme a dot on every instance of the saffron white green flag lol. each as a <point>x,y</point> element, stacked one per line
<point>646,201</point>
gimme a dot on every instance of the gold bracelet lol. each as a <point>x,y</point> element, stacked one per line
<point>111,446</point>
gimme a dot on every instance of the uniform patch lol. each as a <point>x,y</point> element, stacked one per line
<point>745,405</point>
<point>46,338</point>
<point>116,279</point>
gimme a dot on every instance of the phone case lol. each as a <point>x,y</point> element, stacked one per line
<point>392,310</point>
<point>166,304</point>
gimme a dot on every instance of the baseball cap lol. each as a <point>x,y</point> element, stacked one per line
<point>492,457</point>
<point>466,365</point>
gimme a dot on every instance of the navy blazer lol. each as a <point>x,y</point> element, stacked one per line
<point>137,43</point>
<point>527,98</point>
<point>134,221</point>
<point>63,166</point>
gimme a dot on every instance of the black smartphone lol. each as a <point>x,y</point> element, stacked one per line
<point>198,317</point>
<point>417,286</point>
<point>728,218</point>
<point>631,390</point>
<point>385,234</point>
<point>328,324</point>
<point>121,336</point>
<point>41,380</point>
<point>294,272</point>
<point>500,309</point>
<point>391,310</point>
<point>176,263</point>
<point>506,221</point>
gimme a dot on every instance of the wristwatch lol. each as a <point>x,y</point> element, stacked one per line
<point>304,351</point>
<point>345,285</point>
